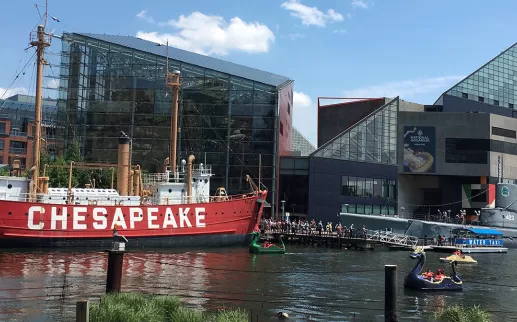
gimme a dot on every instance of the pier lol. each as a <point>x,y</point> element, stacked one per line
<point>354,240</point>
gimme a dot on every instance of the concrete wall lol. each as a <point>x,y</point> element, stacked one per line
<point>447,125</point>
<point>405,106</point>
<point>411,193</point>
<point>325,197</point>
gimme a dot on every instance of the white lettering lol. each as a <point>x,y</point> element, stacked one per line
<point>55,217</point>
<point>169,219</point>
<point>184,218</point>
<point>118,219</point>
<point>151,217</point>
<point>99,215</point>
<point>31,223</point>
<point>200,215</point>
<point>135,214</point>
<point>79,215</point>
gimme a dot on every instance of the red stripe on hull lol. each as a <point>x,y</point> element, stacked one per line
<point>49,221</point>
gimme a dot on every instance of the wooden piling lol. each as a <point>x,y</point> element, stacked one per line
<point>82,311</point>
<point>390,293</point>
<point>114,276</point>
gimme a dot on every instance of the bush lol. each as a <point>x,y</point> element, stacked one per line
<point>135,307</point>
<point>458,313</point>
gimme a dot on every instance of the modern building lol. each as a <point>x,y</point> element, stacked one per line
<point>300,145</point>
<point>408,159</point>
<point>17,126</point>
<point>229,114</point>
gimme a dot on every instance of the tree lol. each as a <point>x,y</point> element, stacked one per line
<point>58,176</point>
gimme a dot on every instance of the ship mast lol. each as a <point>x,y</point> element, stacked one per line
<point>173,81</point>
<point>40,40</point>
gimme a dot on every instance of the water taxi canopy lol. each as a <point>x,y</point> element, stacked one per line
<point>478,231</point>
<point>475,237</point>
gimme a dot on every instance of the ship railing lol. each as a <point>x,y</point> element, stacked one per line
<point>201,199</point>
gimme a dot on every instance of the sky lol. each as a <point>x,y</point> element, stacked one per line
<point>334,48</point>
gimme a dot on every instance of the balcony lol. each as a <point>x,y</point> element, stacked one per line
<point>18,133</point>
<point>18,150</point>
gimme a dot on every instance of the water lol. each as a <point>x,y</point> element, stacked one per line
<point>316,284</point>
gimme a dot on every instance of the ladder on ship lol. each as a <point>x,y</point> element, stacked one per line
<point>390,238</point>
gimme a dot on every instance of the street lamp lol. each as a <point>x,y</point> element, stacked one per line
<point>346,207</point>
<point>283,209</point>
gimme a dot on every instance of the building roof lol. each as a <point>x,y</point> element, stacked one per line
<point>482,231</point>
<point>494,81</point>
<point>194,59</point>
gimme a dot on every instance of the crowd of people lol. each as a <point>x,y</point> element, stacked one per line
<point>305,227</point>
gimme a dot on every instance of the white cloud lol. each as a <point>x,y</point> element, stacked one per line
<point>143,15</point>
<point>311,16</point>
<point>5,93</point>
<point>404,89</point>
<point>53,83</point>
<point>359,4</point>
<point>305,116</point>
<point>208,35</point>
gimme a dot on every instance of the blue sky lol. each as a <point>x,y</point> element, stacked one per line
<point>343,48</point>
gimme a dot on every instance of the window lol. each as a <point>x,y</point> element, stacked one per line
<point>288,108</point>
<point>496,102</point>
<point>504,132</point>
<point>347,188</point>
<point>481,98</point>
<point>1,145</point>
<point>281,128</point>
<point>464,95</point>
<point>352,186</point>
<point>377,188</point>
<point>2,128</point>
<point>360,187</point>
<point>472,151</point>
<point>510,105</point>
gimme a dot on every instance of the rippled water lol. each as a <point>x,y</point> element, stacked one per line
<point>315,284</point>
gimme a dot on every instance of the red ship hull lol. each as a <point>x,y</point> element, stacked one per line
<point>24,224</point>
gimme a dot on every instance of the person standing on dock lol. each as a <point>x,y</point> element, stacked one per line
<point>319,228</point>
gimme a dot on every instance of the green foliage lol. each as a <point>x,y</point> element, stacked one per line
<point>4,171</point>
<point>458,313</point>
<point>58,176</point>
<point>136,307</point>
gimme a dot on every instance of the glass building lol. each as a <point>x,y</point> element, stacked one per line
<point>494,83</point>
<point>356,171</point>
<point>229,114</point>
<point>300,144</point>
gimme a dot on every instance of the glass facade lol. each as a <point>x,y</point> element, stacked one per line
<point>495,83</point>
<point>226,120</point>
<point>372,140</point>
<point>368,209</point>
<point>300,144</point>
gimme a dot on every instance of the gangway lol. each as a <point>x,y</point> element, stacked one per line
<point>390,238</point>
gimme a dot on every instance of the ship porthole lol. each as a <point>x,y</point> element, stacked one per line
<point>9,213</point>
<point>9,186</point>
<point>170,190</point>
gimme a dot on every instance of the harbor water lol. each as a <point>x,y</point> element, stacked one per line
<point>309,283</point>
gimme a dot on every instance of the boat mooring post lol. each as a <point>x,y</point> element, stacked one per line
<point>114,277</point>
<point>390,293</point>
<point>115,261</point>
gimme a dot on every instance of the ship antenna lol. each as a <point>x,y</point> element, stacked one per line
<point>40,40</point>
<point>172,81</point>
<point>259,170</point>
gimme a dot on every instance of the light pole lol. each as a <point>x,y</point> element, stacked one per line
<point>283,209</point>
<point>346,207</point>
